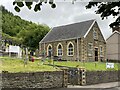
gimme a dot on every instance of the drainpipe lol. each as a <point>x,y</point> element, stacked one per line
<point>44,49</point>
<point>77,50</point>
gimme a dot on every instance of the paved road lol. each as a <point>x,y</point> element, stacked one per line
<point>103,85</point>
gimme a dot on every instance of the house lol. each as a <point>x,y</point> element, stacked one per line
<point>82,41</point>
<point>113,46</point>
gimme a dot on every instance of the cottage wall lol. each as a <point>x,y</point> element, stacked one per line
<point>119,47</point>
<point>64,44</point>
<point>113,50</point>
<point>80,47</point>
<point>96,44</point>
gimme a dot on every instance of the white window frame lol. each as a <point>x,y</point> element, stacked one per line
<point>95,34</point>
<point>90,49</point>
<point>60,51</point>
<point>101,51</point>
<point>68,52</point>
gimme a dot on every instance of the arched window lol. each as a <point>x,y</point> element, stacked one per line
<point>70,49</point>
<point>49,50</point>
<point>95,34</point>
<point>59,50</point>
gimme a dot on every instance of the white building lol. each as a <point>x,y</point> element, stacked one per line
<point>16,50</point>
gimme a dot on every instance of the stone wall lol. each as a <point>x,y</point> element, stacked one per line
<point>33,80</point>
<point>54,79</point>
<point>95,77</point>
<point>64,44</point>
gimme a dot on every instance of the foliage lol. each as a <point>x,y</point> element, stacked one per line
<point>21,32</point>
<point>106,9</point>
<point>37,7</point>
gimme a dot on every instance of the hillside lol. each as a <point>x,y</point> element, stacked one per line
<point>17,31</point>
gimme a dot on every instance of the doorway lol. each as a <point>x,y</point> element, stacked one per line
<point>96,54</point>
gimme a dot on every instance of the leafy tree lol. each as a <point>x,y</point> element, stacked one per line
<point>104,8</point>
<point>37,7</point>
<point>17,31</point>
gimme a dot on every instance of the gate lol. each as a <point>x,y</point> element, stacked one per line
<point>75,76</point>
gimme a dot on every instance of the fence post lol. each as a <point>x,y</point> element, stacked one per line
<point>65,77</point>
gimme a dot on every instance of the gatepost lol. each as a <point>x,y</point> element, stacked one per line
<point>78,75</point>
<point>65,77</point>
<point>82,76</point>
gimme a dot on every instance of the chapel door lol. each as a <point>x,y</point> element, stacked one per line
<point>96,54</point>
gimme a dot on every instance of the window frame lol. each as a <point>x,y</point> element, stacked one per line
<point>60,50</point>
<point>90,50</point>
<point>68,52</point>
<point>49,45</point>
<point>95,33</point>
<point>101,55</point>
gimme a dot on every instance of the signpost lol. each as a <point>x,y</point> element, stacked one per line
<point>14,49</point>
<point>109,65</point>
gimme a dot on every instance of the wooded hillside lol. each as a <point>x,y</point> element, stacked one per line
<point>17,31</point>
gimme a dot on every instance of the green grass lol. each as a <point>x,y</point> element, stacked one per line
<point>91,66</point>
<point>17,65</point>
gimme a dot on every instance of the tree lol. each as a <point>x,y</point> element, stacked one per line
<point>32,35</point>
<point>20,32</point>
<point>104,8</point>
<point>29,4</point>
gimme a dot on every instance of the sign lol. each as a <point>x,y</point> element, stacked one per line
<point>15,49</point>
<point>109,65</point>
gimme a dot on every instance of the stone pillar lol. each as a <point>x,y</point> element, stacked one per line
<point>82,50</point>
<point>82,76</point>
<point>65,77</point>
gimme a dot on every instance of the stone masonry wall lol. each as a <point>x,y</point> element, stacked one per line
<point>33,80</point>
<point>95,77</point>
<point>54,79</point>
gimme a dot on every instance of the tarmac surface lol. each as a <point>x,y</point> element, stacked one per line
<point>102,86</point>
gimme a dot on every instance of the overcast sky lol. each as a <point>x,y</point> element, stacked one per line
<point>64,13</point>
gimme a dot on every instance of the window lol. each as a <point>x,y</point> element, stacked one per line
<point>95,36</point>
<point>49,50</point>
<point>90,49</point>
<point>59,50</point>
<point>101,51</point>
<point>70,49</point>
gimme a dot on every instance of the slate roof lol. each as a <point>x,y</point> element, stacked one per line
<point>68,31</point>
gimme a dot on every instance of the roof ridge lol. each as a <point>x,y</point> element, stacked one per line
<point>73,30</point>
<point>75,23</point>
<point>113,34</point>
<point>116,32</point>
